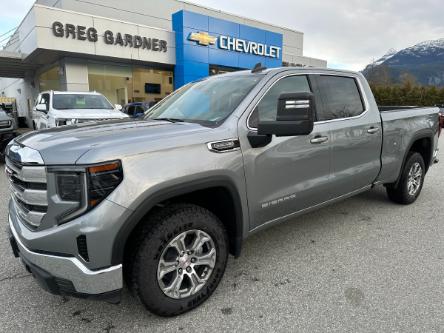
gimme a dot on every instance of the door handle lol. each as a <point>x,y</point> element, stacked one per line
<point>319,139</point>
<point>373,130</point>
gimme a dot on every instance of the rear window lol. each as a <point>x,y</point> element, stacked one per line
<point>80,101</point>
<point>341,97</point>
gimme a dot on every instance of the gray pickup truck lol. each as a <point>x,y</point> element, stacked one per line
<point>161,201</point>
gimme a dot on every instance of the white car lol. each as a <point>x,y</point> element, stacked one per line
<point>58,108</point>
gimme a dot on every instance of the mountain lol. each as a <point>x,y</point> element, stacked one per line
<point>423,63</point>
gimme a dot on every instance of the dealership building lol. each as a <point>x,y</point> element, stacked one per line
<point>135,50</point>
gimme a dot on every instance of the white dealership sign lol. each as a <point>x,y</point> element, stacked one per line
<point>241,45</point>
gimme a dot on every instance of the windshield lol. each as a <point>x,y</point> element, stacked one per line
<point>80,101</point>
<point>208,102</point>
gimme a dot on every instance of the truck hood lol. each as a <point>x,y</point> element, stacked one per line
<point>110,140</point>
<point>88,114</point>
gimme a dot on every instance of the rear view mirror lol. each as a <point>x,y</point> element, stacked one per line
<point>295,116</point>
<point>41,107</point>
<point>118,107</point>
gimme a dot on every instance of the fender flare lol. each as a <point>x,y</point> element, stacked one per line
<point>423,134</point>
<point>173,191</point>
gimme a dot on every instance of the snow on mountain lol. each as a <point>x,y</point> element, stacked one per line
<point>424,61</point>
<point>390,53</point>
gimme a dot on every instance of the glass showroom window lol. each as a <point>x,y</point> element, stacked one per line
<point>123,84</point>
<point>151,85</point>
<point>50,79</point>
<point>113,81</point>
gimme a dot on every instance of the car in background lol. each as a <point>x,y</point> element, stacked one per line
<point>441,117</point>
<point>7,129</point>
<point>137,109</point>
<point>59,108</point>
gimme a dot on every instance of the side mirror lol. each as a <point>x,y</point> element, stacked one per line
<point>41,107</point>
<point>295,116</point>
<point>118,107</point>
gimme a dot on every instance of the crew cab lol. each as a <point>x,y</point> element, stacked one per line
<point>218,160</point>
<point>59,108</point>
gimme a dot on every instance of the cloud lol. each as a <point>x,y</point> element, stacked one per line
<point>347,32</point>
<point>13,13</point>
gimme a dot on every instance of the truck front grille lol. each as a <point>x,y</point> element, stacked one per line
<point>28,191</point>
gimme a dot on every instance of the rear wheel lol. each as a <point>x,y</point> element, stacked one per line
<point>411,182</point>
<point>179,260</point>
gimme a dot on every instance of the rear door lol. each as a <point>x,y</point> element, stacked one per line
<point>290,173</point>
<point>356,133</point>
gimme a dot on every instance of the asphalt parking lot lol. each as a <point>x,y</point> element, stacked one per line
<point>363,265</point>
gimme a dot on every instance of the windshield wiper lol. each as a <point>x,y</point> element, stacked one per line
<point>171,120</point>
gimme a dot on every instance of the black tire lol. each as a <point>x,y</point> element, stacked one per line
<point>154,236</point>
<point>400,193</point>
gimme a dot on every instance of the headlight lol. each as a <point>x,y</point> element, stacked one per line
<point>5,123</point>
<point>80,189</point>
<point>102,180</point>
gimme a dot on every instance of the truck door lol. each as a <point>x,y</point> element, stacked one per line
<point>289,173</point>
<point>41,117</point>
<point>356,134</point>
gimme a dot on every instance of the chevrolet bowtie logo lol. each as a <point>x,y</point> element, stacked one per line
<point>202,38</point>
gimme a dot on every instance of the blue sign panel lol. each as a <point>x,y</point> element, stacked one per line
<point>203,40</point>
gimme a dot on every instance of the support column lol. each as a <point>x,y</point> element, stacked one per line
<point>75,75</point>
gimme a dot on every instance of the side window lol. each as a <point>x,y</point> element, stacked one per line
<point>44,99</point>
<point>131,110</point>
<point>139,110</point>
<point>341,97</point>
<point>266,110</point>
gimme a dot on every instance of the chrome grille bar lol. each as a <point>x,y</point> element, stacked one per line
<point>27,183</point>
<point>31,217</point>
<point>31,174</point>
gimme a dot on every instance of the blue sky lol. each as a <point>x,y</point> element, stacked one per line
<point>347,33</point>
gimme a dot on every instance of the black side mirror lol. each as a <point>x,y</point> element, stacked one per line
<point>295,116</point>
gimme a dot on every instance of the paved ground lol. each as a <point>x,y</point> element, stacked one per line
<point>364,265</point>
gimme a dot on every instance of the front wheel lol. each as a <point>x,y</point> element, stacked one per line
<point>179,260</point>
<point>411,182</point>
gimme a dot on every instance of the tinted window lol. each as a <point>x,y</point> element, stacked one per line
<point>266,110</point>
<point>139,110</point>
<point>341,97</point>
<point>130,110</point>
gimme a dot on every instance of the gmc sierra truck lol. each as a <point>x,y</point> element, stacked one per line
<point>161,201</point>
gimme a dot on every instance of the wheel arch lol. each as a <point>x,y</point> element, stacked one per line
<point>422,143</point>
<point>190,192</point>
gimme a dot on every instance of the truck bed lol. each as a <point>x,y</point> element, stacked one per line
<point>385,108</point>
<point>402,126</point>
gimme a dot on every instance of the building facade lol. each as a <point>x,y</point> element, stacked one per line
<point>138,50</point>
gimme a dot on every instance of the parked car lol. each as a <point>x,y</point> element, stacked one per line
<point>7,130</point>
<point>59,108</point>
<point>216,161</point>
<point>441,117</point>
<point>136,109</point>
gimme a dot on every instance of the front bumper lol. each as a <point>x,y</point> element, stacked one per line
<point>64,275</point>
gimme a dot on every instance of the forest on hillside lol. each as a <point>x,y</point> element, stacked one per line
<point>406,93</point>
